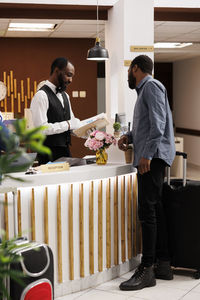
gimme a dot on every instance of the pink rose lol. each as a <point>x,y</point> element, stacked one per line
<point>100,135</point>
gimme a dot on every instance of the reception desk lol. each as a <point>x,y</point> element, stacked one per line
<point>87,215</point>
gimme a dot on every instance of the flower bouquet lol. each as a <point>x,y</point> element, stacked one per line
<point>99,141</point>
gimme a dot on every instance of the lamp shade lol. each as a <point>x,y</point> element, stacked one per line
<point>97,53</point>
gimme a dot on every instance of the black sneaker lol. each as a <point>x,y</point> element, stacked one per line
<point>163,270</point>
<point>143,277</point>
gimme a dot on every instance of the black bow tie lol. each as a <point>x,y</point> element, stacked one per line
<point>58,91</point>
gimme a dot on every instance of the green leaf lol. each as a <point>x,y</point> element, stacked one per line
<point>40,148</point>
<point>31,132</point>
<point>3,290</point>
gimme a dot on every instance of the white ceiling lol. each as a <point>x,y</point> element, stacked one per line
<point>177,32</point>
<point>164,32</point>
<point>64,29</point>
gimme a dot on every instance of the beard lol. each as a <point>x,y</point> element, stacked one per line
<point>131,81</point>
<point>62,85</point>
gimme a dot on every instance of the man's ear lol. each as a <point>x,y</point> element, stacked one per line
<point>56,70</point>
<point>135,68</point>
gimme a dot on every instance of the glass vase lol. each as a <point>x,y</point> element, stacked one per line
<point>101,157</point>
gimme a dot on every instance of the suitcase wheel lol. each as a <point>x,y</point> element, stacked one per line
<point>197,274</point>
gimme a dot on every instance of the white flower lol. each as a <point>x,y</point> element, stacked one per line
<point>100,136</point>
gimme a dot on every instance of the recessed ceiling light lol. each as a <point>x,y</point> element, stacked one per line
<point>171,45</point>
<point>31,27</point>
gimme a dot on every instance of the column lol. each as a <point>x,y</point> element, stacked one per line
<point>130,23</point>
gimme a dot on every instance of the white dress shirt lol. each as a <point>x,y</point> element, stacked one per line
<point>39,107</point>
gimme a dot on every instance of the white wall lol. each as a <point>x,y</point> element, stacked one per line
<point>65,2</point>
<point>177,3</point>
<point>186,95</point>
<point>125,27</point>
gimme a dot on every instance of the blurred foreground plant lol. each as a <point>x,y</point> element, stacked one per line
<point>16,144</point>
<point>8,257</point>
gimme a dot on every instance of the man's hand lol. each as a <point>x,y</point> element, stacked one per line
<point>123,143</point>
<point>73,124</point>
<point>144,165</point>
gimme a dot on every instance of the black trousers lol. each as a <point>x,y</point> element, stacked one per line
<point>151,214</point>
<point>57,152</point>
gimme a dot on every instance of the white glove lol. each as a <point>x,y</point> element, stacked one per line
<point>74,123</point>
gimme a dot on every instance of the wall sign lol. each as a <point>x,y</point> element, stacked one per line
<point>127,63</point>
<point>141,48</point>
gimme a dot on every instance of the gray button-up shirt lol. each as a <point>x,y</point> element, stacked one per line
<point>152,132</point>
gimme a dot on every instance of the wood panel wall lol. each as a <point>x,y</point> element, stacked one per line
<point>32,58</point>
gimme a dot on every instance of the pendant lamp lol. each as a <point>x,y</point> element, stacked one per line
<point>97,53</point>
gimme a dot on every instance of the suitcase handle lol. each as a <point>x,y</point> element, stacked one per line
<point>184,155</point>
<point>46,267</point>
<point>178,153</point>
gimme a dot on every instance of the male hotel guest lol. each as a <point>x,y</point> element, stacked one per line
<point>154,148</point>
<point>51,107</point>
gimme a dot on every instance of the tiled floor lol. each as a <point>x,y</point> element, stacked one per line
<point>183,287</point>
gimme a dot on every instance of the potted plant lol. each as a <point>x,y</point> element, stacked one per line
<point>15,145</point>
<point>117,127</point>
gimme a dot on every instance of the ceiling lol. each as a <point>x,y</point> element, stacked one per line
<point>171,31</point>
<point>64,28</point>
<point>167,31</point>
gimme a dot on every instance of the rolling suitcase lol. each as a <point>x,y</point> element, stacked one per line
<point>182,207</point>
<point>37,266</point>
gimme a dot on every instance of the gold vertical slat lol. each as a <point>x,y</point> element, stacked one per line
<point>32,94</point>
<point>91,227</point>
<point>46,217</point>
<point>15,88</point>
<point>100,227</point>
<point>123,245</point>
<point>12,103</point>
<point>35,87</point>
<point>19,213</point>
<point>108,226</point>
<point>25,102</point>
<point>135,216</point>
<point>81,230</point>
<point>5,100</point>
<point>4,78</point>
<point>19,102</point>
<point>71,239</point>
<point>11,81</point>
<point>33,215</point>
<point>129,222</point>
<point>5,104</point>
<point>59,235</point>
<point>8,85</point>
<point>28,88</point>
<point>6,216</point>
<point>116,223</point>
<point>22,90</point>
<point>2,103</point>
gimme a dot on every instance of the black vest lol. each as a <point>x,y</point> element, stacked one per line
<point>57,113</point>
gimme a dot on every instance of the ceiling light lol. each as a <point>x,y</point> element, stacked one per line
<point>97,53</point>
<point>171,45</point>
<point>31,27</point>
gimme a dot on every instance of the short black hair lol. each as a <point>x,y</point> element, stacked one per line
<point>60,63</point>
<point>143,62</point>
